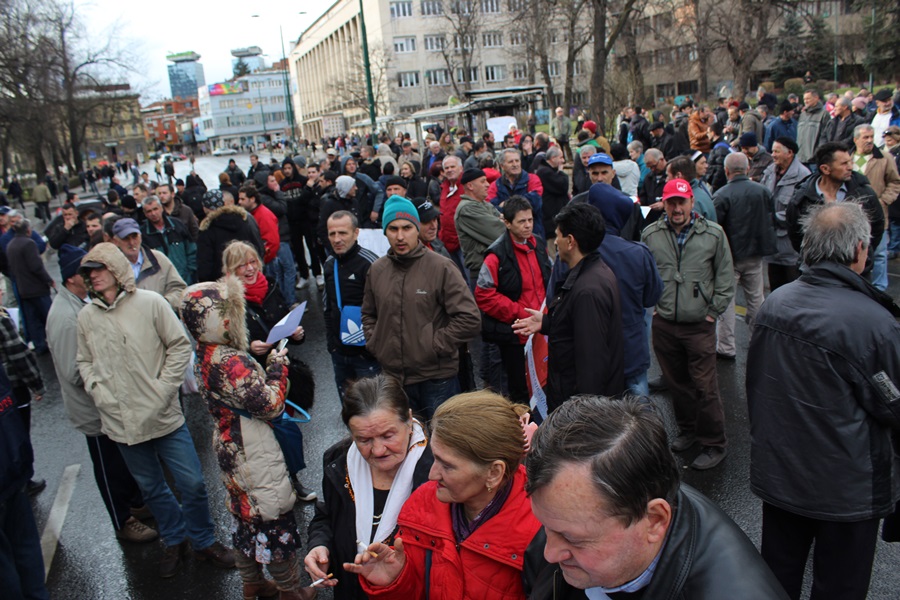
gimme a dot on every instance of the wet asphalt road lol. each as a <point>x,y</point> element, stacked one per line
<point>90,563</point>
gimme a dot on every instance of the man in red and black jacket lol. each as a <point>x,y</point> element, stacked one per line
<point>513,277</point>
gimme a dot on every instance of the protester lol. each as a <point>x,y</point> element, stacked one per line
<point>367,479</point>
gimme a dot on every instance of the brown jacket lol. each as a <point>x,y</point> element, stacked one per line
<point>882,173</point>
<point>417,310</point>
<point>697,128</point>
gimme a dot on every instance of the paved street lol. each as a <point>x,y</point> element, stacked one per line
<point>88,562</point>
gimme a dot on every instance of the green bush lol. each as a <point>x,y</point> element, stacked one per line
<point>794,86</point>
<point>769,85</point>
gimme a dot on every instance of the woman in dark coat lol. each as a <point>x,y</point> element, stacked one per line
<point>415,187</point>
<point>367,479</point>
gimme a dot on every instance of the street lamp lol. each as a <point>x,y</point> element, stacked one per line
<point>288,104</point>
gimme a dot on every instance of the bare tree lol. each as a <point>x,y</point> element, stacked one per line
<point>463,22</point>
<point>608,25</point>
<point>577,18</point>
<point>744,38</point>
<point>352,87</point>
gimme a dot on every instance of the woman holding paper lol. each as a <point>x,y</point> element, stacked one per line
<point>265,307</point>
<point>367,478</point>
<point>243,398</point>
<point>462,535</point>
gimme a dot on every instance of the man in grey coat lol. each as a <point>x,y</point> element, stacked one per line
<point>811,128</point>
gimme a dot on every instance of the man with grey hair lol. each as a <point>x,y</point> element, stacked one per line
<point>841,126</point>
<point>556,191</point>
<point>811,127</point>
<point>745,210</point>
<point>515,181</point>
<point>560,129</point>
<point>881,171</point>
<point>617,521</point>
<point>823,373</point>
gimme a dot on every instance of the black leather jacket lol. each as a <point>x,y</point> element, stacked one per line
<point>705,557</point>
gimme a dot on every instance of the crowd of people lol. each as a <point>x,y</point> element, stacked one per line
<point>541,469</point>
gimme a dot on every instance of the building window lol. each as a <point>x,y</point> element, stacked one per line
<point>401,9</point>
<point>519,71</point>
<point>408,79</point>
<point>461,77</point>
<point>431,8</point>
<point>494,73</point>
<point>579,98</point>
<point>461,7</point>
<point>665,90</point>
<point>490,6</point>
<point>435,43</point>
<point>517,38</point>
<point>403,45</point>
<point>688,87</point>
<point>516,5</point>
<point>463,41</point>
<point>492,39</point>
<point>578,68</point>
<point>437,77</point>
<point>553,68</point>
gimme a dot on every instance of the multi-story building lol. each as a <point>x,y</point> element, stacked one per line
<point>248,110</point>
<point>422,54</point>
<point>250,56</point>
<point>117,133</point>
<point>164,122</point>
<point>185,74</point>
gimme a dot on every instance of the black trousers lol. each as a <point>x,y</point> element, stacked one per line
<point>117,487</point>
<point>513,358</point>
<point>299,235</point>
<point>842,560</point>
<point>780,275</point>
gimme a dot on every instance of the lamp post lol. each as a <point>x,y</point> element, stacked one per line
<point>367,67</point>
<point>288,104</point>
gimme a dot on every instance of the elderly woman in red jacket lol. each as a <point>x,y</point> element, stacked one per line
<point>464,533</point>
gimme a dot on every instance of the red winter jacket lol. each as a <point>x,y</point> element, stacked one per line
<point>487,566</point>
<point>449,202</point>
<point>268,230</point>
<point>503,308</point>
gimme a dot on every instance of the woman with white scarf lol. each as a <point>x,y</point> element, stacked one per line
<point>367,478</point>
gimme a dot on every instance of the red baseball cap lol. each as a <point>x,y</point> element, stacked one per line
<point>677,188</point>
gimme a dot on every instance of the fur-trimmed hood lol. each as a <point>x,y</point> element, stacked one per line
<point>214,312</point>
<point>234,209</point>
<point>109,255</point>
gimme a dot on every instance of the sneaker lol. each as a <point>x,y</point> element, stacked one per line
<point>708,458</point>
<point>35,486</point>
<point>171,559</point>
<point>683,442</point>
<point>301,283</point>
<point>135,531</point>
<point>320,281</point>
<point>304,494</point>
<point>218,554</point>
<point>723,356</point>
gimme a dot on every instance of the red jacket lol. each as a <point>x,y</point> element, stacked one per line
<point>449,202</point>
<point>486,566</point>
<point>503,308</point>
<point>268,230</point>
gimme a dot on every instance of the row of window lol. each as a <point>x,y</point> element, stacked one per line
<point>110,132</point>
<point>492,73</point>
<point>437,42</point>
<point>433,8</point>
<point>246,120</point>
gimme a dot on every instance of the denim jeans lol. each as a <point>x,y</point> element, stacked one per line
<point>426,396</point>
<point>349,368</point>
<point>21,561</point>
<point>879,265</point>
<point>637,384</point>
<point>894,229</point>
<point>284,271</point>
<point>191,519</point>
<point>34,313</point>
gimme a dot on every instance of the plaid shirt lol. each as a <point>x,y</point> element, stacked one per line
<point>17,358</point>
<point>681,238</point>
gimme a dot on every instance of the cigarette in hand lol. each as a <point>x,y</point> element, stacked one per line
<point>318,581</point>
<point>364,550</point>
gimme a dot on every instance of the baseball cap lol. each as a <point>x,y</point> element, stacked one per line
<point>427,211</point>
<point>125,227</point>
<point>5,210</point>
<point>677,188</point>
<point>600,158</point>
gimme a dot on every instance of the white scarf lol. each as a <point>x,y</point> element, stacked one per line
<point>360,475</point>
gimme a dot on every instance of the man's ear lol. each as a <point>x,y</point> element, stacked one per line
<point>659,517</point>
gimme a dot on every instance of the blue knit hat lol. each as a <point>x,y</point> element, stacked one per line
<point>69,260</point>
<point>398,207</point>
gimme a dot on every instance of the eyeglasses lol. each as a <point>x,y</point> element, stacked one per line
<point>248,264</point>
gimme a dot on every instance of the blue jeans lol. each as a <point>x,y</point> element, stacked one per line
<point>637,384</point>
<point>21,561</point>
<point>426,396</point>
<point>284,271</point>
<point>894,243</point>
<point>191,519</point>
<point>350,368</point>
<point>879,266</point>
<point>34,313</point>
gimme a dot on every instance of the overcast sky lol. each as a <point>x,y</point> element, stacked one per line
<point>212,29</point>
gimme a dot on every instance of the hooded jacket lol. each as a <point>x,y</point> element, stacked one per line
<point>822,376</point>
<point>159,275</point>
<point>250,459</point>
<point>417,310</point>
<point>132,356</point>
<point>221,227</point>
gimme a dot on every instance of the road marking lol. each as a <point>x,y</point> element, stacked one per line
<point>50,537</point>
